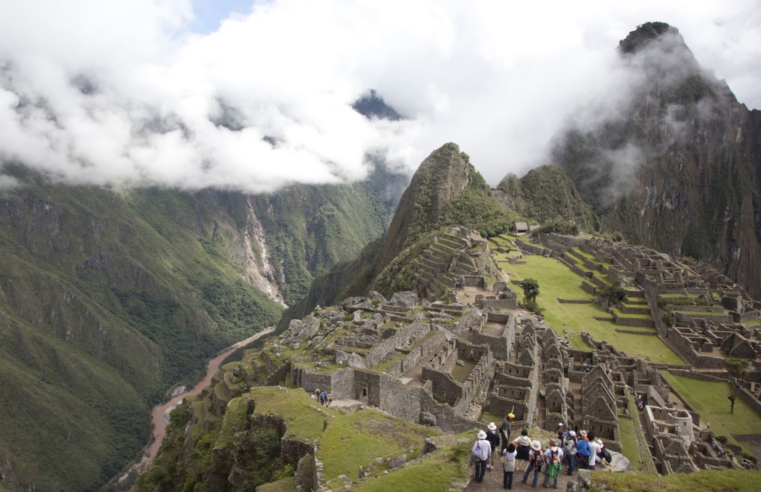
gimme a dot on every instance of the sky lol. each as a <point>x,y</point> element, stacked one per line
<point>254,96</point>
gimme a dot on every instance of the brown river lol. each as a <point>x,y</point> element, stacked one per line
<point>158,414</point>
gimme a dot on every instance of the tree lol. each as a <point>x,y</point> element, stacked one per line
<point>738,369</point>
<point>612,295</point>
<point>530,289</point>
<point>530,292</point>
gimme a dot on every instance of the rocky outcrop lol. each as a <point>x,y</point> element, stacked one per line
<point>676,169</point>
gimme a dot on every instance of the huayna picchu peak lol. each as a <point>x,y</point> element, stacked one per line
<point>240,250</point>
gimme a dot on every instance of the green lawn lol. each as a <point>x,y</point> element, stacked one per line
<point>557,280</point>
<point>710,400</point>
<point>356,439</point>
<point>304,417</point>
<point>629,442</point>
<point>703,481</point>
<point>435,472</point>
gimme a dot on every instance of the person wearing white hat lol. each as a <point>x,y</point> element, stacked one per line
<point>481,452</point>
<point>535,462</point>
<point>493,438</point>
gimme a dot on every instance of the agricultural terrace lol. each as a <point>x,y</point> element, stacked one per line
<point>710,400</point>
<point>556,280</point>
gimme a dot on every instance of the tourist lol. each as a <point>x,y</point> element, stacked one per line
<point>508,465</point>
<point>570,451</point>
<point>493,437</point>
<point>324,398</point>
<point>523,446</point>
<point>582,450</point>
<point>594,449</point>
<point>330,399</point>
<point>317,394</point>
<point>535,462</point>
<point>553,456</point>
<point>481,452</point>
<point>603,456</point>
<point>506,428</point>
<point>559,433</point>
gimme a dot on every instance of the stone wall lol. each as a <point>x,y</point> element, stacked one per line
<point>751,400</point>
<point>445,388</point>
<point>367,387</point>
<point>639,322</point>
<point>414,331</point>
<point>417,353</point>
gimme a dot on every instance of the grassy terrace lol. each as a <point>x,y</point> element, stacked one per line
<point>705,480</point>
<point>710,400</point>
<point>356,439</point>
<point>558,281</point>
<point>304,417</point>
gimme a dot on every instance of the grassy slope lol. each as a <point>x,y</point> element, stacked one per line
<point>113,290</point>
<point>710,401</point>
<point>357,439</point>
<point>558,281</point>
<point>708,481</point>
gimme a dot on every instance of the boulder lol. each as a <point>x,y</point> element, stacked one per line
<point>303,331</point>
<point>341,357</point>
<point>406,299</point>
<point>364,305</point>
<point>429,446</point>
<point>619,463</point>
<point>399,461</point>
<point>357,361</point>
<point>377,296</point>
<point>357,316</point>
<point>429,419</point>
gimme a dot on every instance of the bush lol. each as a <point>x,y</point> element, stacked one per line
<point>669,319</point>
<point>722,439</point>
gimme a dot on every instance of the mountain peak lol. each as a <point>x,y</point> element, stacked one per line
<point>646,33</point>
<point>371,105</point>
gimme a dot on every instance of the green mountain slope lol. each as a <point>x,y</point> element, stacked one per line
<point>546,193</point>
<point>109,298</point>
<point>677,168</point>
<point>445,190</point>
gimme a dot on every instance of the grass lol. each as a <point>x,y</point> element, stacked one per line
<point>356,439</point>
<point>284,485</point>
<point>460,373</point>
<point>435,472</point>
<point>704,481</point>
<point>620,314</point>
<point>629,442</point>
<point>710,400</point>
<point>558,281</point>
<point>304,417</point>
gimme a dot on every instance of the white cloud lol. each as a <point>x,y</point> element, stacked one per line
<point>123,93</point>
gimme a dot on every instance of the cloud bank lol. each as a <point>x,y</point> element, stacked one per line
<point>124,94</point>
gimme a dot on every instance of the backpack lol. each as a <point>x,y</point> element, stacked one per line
<point>555,457</point>
<point>537,461</point>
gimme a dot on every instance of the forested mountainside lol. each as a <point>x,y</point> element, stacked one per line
<point>445,190</point>
<point>107,298</point>
<point>546,193</point>
<point>677,167</point>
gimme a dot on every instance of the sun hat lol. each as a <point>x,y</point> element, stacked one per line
<point>492,426</point>
<point>560,424</point>
<point>511,415</point>
<point>481,434</point>
<point>583,433</point>
<point>536,445</point>
<point>572,433</point>
<point>598,441</point>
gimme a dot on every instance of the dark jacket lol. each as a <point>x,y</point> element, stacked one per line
<point>493,439</point>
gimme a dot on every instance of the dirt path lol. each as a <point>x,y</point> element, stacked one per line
<point>158,413</point>
<point>493,480</point>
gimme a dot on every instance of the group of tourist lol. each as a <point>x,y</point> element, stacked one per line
<point>576,449</point>
<point>323,397</point>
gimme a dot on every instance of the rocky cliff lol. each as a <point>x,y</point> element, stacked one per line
<point>676,166</point>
